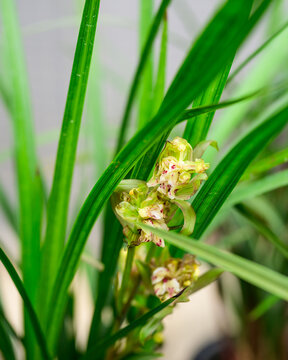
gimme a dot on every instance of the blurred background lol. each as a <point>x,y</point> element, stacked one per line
<point>49,31</point>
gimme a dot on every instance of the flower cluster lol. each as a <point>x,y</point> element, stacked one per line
<point>177,176</point>
<point>141,205</point>
<point>174,276</point>
<point>174,169</point>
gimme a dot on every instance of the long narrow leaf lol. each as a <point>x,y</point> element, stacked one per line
<point>144,56</point>
<point>60,193</point>
<point>197,129</point>
<point>257,52</point>
<point>226,175</point>
<point>260,225</point>
<point>6,347</point>
<point>263,165</point>
<point>28,305</point>
<point>146,80</point>
<point>8,210</point>
<point>247,270</point>
<point>25,158</point>
<point>258,187</point>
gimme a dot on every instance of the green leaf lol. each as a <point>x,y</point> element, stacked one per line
<point>140,67</point>
<point>197,129</point>
<point>203,281</point>
<point>8,211</point>
<point>228,172</point>
<point>263,165</point>
<point>159,88</point>
<point>247,270</point>
<point>200,61</point>
<point>146,80</point>
<point>259,224</point>
<point>28,305</point>
<point>6,347</point>
<point>264,306</point>
<point>261,74</point>
<point>143,356</point>
<point>102,344</point>
<point>189,114</point>
<point>96,130</point>
<point>25,158</point>
<point>60,192</point>
<point>258,187</point>
<point>257,52</point>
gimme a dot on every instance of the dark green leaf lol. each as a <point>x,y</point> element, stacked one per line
<point>255,274</point>
<point>60,193</point>
<point>260,225</point>
<point>28,305</point>
<point>140,67</point>
<point>226,175</point>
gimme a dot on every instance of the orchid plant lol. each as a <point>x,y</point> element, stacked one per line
<point>168,203</point>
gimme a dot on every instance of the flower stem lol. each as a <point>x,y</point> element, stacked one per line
<point>126,277</point>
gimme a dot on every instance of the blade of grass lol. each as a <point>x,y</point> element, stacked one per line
<point>60,193</point>
<point>9,327</point>
<point>255,274</point>
<point>6,347</point>
<point>258,187</point>
<point>8,211</point>
<point>256,52</point>
<point>263,165</point>
<point>228,172</point>
<point>200,60</point>
<point>203,281</point>
<point>197,129</point>
<point>259,224</point>
<point>109,256</point>
<point>145,165</point>
<point>28,304</point>
<point>146,80</point>
<point>261,74</point>
<point>159,88</point>
<point>95,116</point>
<point>264,306</point>
<point>28,180</point>
<point>140,67</point>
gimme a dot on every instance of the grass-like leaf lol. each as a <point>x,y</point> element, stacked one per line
<point>247,270</point>
<point>140,67</point>
<point>7,209</point>
<point>60,193</point>
<point>145,96</point>
<point>263,165</point>
<point>6,347</point>
<point>263,229</point>
<point>197,129</point>
<point>226,175</point>
<point>25,158</point>
<point>258,187</point>
<point>257,52</point>
<point>28,305</point>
